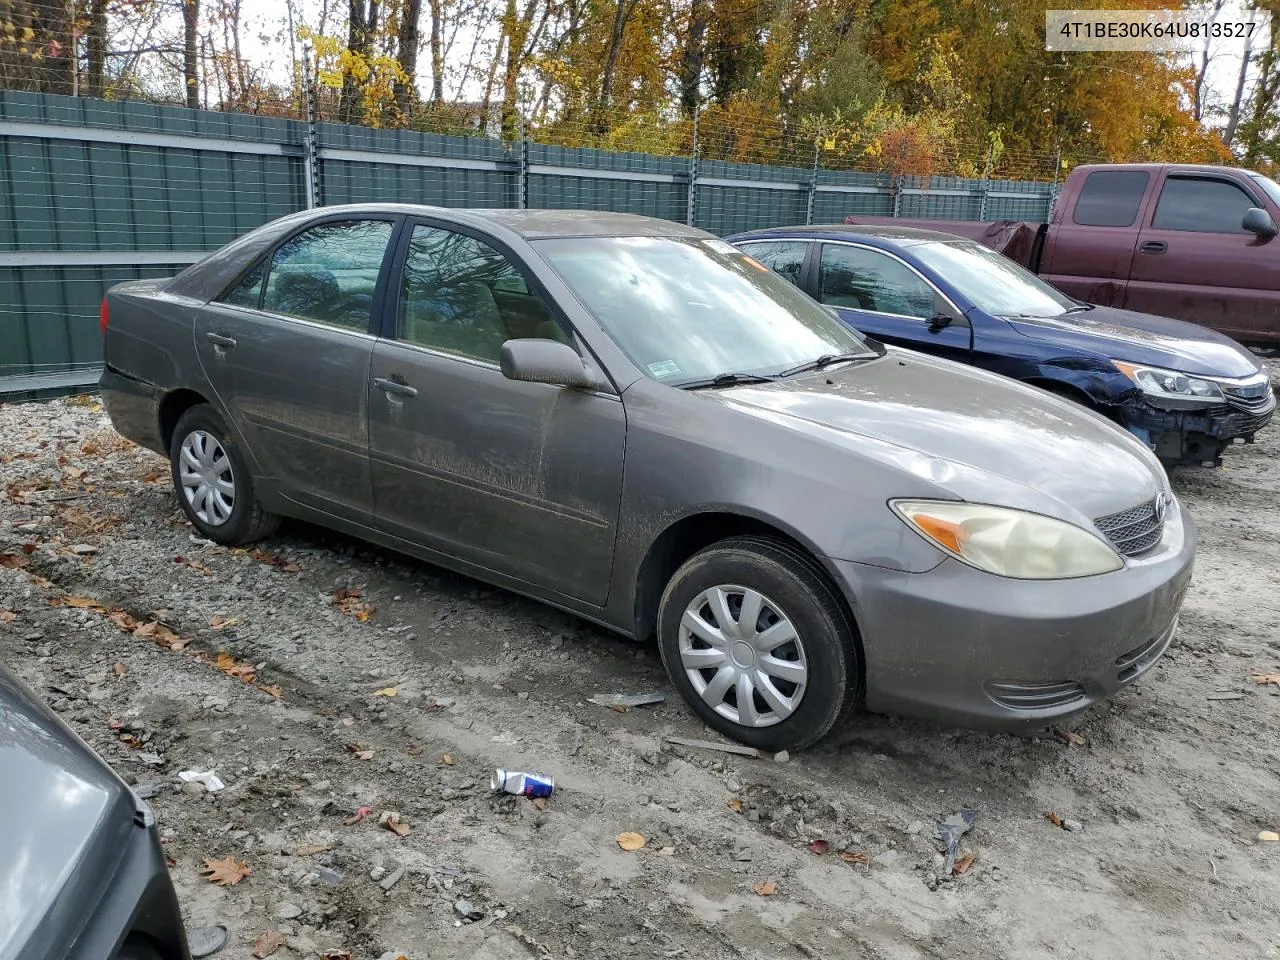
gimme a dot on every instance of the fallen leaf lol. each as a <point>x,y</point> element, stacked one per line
<point>447,759</point>
<point>734,804</point>
<point>1070,737</point>
<point>361,753</point>
<point>848,857</point>
<point>226,872</point>
<point>819,847</point>
<point>119,669</point>
<point>123,621</point>
<point>152,477</point>
<point>7,616</point>
<point>1054,819</point>
<point>1270,836</point>
<point>310,850</point>
<point>79,603</point>
<point>162,635</point>
<point>273,689</point>
<point>391,820</point>
<point>75,473</point>
<point>234,668</point>
<point>89,449</point>
<point>356,817</point>
<point>414,751</point>
<point>221,623</point>
<point>1262,679</point>
<point>275,560</point>
<point>28,548</point>
<point>630,841</point>
<point>335,955</point>
<point>268,943</point>
<point>41,581</point>
<point>539,803</point>
<point>12,561</point>
<point>194,565</point>
<point>385,692</point>
<point>348,600</point>
<point>766,888</point>
<point>962,865</point>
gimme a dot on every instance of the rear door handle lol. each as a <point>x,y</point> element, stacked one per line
<point>218,340</point>
<point>1153,246</point>
<point>390,386</point>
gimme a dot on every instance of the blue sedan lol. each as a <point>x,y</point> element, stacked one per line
<point>1184,390</point>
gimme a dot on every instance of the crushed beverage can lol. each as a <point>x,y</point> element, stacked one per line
<point>521,784</point>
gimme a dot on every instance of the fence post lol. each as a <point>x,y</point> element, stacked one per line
<point>522,174</point>
<point>813,180</point>
<point>986,181</point>
<point>310,153</point>
<point>692,199</point>
<point>1053,196</point>
<point>896,187</point>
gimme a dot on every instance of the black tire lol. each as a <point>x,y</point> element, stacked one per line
<point>792,582</point>
<point>247,520</point>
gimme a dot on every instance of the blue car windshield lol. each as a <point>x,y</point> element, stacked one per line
<point>686,309</point>
<point>991,282</point>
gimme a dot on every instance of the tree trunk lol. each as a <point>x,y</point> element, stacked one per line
<point>622,13</point>
<point>437,57</point>
<point>362,24</point>
<point>691,60</point>
<point>516,28</point>
<point>190,52</point>
<point>96,49</point>
<point>408,39</point>
<point>1233,115</point>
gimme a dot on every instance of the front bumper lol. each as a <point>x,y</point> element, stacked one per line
<point>1193,436</point>
<point>957,645</point>
<point>139,905</point>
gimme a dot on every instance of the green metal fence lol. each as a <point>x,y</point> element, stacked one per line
<point>94,192</point>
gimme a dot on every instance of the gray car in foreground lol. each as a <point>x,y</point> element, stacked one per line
<point>631,420</point>
<point>82,875</point>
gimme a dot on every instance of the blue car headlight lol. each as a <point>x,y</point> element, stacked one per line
<point>1158,384</point>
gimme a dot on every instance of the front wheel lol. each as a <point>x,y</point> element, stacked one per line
<point>211,479</point>
<point>757,641</point>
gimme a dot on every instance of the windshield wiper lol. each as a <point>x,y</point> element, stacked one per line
<point>1079,308</point>
<point>826,360</point>
<point>727,380</point>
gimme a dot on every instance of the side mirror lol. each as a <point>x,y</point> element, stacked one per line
<point>1258,221</point>
<point>545,361</point>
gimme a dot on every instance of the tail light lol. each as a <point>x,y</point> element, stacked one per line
<point>102,316</point>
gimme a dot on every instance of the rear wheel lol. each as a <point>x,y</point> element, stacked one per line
<point>757,641</point>
<point>212,481</point>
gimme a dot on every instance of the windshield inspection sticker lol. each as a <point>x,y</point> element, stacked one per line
<point>719,246</point>
<point>664,368</point>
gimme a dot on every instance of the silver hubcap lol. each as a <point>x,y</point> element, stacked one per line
<point>743,656</point>
<point>207,480</point>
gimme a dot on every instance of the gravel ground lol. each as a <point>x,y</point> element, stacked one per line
<point>168,654</point>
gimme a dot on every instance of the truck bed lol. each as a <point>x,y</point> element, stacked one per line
<point>1020,240</point>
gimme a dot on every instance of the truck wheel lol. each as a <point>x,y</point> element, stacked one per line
<point>757,641</point>
<point>212,480</point>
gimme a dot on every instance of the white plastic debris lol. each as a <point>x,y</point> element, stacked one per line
<point>207,777</point>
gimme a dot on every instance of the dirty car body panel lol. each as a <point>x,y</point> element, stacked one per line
<point>1072,349</point>
<point>84,874</point>
<point>588,498</point>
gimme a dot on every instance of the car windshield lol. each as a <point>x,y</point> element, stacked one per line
<point>686,310</point>
<point>991,282</point>
<point>1269,186</point>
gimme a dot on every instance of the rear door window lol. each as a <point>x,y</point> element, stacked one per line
<point>783,257</point>
<point>1111,198</point>
<point>328,274</point>
<point>858,278</point>
<point>1201,205</point>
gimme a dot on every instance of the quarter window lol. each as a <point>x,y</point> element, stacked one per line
<point>1111,198</point>
<point>248,292</point>
<point>1201,206</point>
<point>462,296</point>
<point>783,257</point>
<point>861,279</point>
<point>328,273</point>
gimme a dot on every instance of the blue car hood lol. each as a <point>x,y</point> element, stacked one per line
<point>1143,338</point>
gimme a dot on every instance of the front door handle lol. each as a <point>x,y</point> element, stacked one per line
<point>1153,246</point>
<point>218,340</point>
<point>391,386</point>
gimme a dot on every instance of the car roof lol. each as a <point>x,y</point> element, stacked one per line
<point>900,236</point>
<point>535,224</point>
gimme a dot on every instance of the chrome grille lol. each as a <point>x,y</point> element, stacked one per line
<point>1133,531</point>
<point>1026,695</point>
<point>1255,398</point>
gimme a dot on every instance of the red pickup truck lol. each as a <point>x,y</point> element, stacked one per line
<point>1193,242</point>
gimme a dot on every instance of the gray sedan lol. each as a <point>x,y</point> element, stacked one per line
<point>633,421</point>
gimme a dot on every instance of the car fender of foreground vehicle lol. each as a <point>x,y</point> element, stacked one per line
<point>631,420</point>
<point>81,868</point>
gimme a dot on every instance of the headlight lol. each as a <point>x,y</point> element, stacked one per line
<point>1169,384</point>
<point>1009,543</point>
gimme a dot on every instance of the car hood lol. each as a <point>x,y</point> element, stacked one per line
<point>64,829</point>
<point>971,435</point>
<point>1143,338</point>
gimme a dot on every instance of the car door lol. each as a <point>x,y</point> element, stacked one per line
<point>1196,262</point>
<point>881,295</point>
<point>287,350</point>
<point>523,479</point>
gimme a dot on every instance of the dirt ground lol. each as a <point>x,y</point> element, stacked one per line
<point>167,654</point>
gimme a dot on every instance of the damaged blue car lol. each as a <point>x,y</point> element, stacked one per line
<point>1185,391</point>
